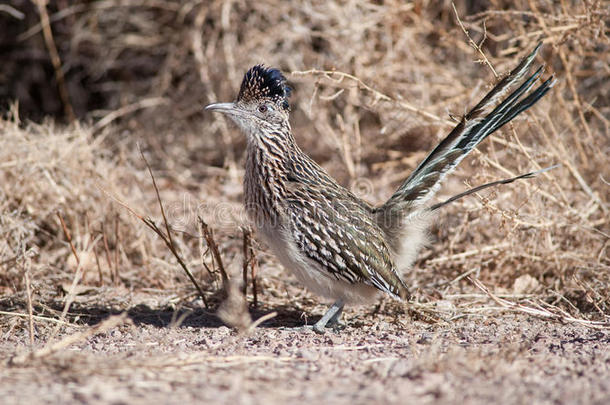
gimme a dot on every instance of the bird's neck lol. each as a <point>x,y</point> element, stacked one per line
<point>269,151</point>
<point>267,164</point>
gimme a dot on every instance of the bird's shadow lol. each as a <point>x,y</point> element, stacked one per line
<point>142,314</point>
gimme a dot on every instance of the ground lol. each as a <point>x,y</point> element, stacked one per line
<point>157,356</point>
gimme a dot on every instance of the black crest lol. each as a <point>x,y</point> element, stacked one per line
<point>263,82</point>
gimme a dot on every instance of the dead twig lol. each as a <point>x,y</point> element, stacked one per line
<point>249,262</point>
<point>377,95</point>
<point>208,235</point>
<point>476,46</point>
<point>107,252</point>
<point>128,109</point>
<point>13,12</point>
<point>28,290</point>
<point>36,317</point>
<point>102,327</point>
<point>55,60</point>
<point>166,238</point>
<point>262,319</point>
<point>244,270</point>
<point>116,249</point>
<point>97,263</point>
<point>548,312</point>
<point>68,237</point>
<point>169,242</point>
<point>78,273</point>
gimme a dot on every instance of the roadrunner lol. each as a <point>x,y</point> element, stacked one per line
<point>336,244</point>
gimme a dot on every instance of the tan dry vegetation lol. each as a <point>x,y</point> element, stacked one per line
<point>375,88</point>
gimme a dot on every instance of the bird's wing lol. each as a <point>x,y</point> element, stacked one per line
<point>332,228</point>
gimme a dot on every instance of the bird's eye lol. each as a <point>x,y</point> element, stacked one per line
<point>262,108</point>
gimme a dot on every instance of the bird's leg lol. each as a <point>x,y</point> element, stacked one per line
<point>330,317</point>
<point>336,318</point>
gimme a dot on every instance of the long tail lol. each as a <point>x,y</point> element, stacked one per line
<point>492,184</point>
<point>475,126</point>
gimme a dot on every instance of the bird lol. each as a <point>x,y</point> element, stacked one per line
<point>336,244</point>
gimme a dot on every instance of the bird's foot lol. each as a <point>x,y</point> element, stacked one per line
<point>319,329</point>
<point>331,319</point>
<point>335,326</point>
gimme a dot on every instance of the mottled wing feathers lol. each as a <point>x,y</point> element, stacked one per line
<point>263,82</point>
<point>336,232</point>
<point>475,126</point>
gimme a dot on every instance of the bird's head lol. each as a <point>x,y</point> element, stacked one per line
<point>262,101</point>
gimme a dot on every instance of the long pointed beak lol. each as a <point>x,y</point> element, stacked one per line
<point>225,108</point>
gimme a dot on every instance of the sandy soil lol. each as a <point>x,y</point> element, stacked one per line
<point>158,356</point>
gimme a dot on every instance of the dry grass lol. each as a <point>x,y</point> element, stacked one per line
<point>383,80</point>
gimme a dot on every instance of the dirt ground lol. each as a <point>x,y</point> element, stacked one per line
<point>160,355</point>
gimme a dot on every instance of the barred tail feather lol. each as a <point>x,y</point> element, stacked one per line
<point>485,118</point>
<point>492,184</point>
<point>526,102</point>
